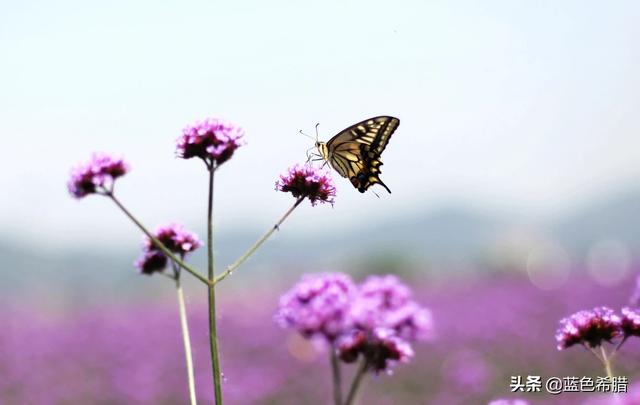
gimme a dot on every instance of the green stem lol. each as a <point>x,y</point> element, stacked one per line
<point>357,380</point>
<point>256,245</point>
<point>213,333</point>
<point>156,242</point>
<point>187,342</point>
<point>337,380</point>
<point>607,363</point>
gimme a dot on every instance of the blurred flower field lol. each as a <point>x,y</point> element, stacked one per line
<point>486,330</point>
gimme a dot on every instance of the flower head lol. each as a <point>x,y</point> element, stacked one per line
<point>391,292</point>
<point>307,181</point>
<point>385,301</point>
<point>151,262</point>
<point>175,238</point>
<point>211,140</point>
<point>411,322</point>
<point>97,175</point>
<point>589,328</point>
<point>317,305</point>
<point>630,322</point>
<point>381,347</point>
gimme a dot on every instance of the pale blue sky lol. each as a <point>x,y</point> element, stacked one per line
<point>528,106</point>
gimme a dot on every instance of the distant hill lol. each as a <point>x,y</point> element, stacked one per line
<point>441,235</point>
<point>438,234</point>
<point>614,217</point>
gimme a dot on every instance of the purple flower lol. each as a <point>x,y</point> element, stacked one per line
<point>381,347</point>
<point>96,176</point>
<point>630,322</point>
<point>211,140</point>
<point>384,301</point>
<point>317,305</point>
<point>307,181</point>
<point>589,328</point>
<point>375,321</point>
<point>411,321</point>
<point>385,319</point>
<point>175,238</point>
<point>151,262</point>
<point>388,290</point>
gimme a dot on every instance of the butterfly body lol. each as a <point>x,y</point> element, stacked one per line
<point>355,151</point>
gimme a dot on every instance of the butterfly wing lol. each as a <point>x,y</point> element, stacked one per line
<point>355,151</point>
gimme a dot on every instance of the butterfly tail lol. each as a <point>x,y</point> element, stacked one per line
<point>384,185</point>
<point>372,181</point>
<point>363,181</point>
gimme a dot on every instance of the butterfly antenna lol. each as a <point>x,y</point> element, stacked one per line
<point>308,136</point>
<point>317,137</point>
<point>375,193</point>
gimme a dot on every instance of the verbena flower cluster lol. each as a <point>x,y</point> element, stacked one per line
<point>318,305</point>
<point>308,181</point>
<point>630,322</point>
<point>97,175</point>
<point>381,347</point>
<point>376,320</point>
<point>591,328</point>
<point>175,238</point>
<point>384,301</point>
<point>211,140</point>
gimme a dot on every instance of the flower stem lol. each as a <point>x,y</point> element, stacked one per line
<point>615,351</point>
<point>607,363</point>
<point>213,333</point>
<point>337,380</point>
<point>187,342</point>
<point>156,242</point>
<point>357,380</point>
<point>256,245</point>
<point>595,353</point>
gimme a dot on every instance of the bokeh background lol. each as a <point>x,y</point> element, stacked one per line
<point>515,178</point>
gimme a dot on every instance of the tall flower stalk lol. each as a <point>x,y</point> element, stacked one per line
<point>211,294</point>
<point>336,377</point>
<point>186,339</point>
<point>214,142</point>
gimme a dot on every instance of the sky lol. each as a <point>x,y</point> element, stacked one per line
<point>524,106</point>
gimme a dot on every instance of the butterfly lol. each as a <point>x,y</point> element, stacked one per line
<point>355,151</point>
